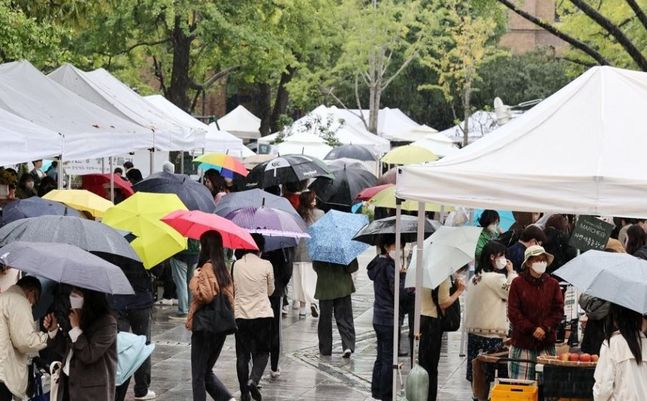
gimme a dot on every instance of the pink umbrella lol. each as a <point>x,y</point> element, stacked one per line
<point>192,224</point>
<point>368,193</point>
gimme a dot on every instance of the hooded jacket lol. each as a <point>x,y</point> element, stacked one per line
<point>381,270</point>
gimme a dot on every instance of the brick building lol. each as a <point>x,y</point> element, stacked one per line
<point>524,36</point>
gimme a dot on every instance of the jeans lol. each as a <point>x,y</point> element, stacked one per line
<point>275,333</point>
<point>5,394</point>
<point>431,336</point>
<point>139,322</point>
<point>205,350</point>
<point>182,274</point>
<point>382,383</point>
<point>252,343</point>
<point>343,310</point>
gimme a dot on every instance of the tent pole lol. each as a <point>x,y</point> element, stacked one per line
<point>151,161</point>
<point>182,162</point>
<point>419,267</point>
<point>103,165</point>
<point>396,295</point>
<point>59,184</point>
<point>112,181</point>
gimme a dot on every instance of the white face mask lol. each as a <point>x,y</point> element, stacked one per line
<point>539,267</point>
<point>76,301</point>
<point>493,228</point>
<point>500,263</point>
<point>392,254</point>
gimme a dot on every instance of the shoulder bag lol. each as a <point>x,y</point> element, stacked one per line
<point>450,318</point>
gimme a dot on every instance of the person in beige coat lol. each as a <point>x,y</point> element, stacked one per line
<point>253,285</point>
<point>19,337</point>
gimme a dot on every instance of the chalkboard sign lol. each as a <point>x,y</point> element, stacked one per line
<point>590,233</point>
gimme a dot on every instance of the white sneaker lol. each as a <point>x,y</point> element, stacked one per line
<point>149,396</point>
<point>276,374</point>
<point>347,353</point>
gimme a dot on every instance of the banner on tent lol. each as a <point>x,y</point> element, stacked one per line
<point>590,233</point>
<point>92,166</point>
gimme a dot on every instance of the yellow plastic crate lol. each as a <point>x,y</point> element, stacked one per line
<point>517,390</point>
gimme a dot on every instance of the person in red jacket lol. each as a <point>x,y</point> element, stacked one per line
<point>535,309</point>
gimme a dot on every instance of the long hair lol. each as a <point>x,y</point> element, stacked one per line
<point>211,250</point>
<point>559,222</point>
<point>385,241</point>
<point>305,205</point>
<point>629,323</point>
<point>491,248</point>
<point>488,217</point>
<point>636,238</point>
<point>95,306</point>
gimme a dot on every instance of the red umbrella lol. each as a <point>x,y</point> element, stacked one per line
<point>368,193</point>
<point>192,224</point>
<point>100,185</point>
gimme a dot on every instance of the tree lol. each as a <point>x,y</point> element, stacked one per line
<point>457,59</point>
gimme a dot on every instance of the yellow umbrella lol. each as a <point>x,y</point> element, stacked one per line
<point>80,199</point>
<point>409,154</point>
<point>386,198</point>
<point>140,214</point>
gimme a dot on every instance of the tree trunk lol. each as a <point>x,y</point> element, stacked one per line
<point>374,111</point>
<point>282,97</point>
<point>178,91</point>
<point>264,107</point>
<point>467,95</point>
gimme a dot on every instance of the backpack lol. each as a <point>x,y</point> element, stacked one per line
<point>450,318</point>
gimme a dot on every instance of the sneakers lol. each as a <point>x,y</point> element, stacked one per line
<point>285,310</point>
<point>275,374</point>
<point>314,309</point>
<point>150,395</point>
<point>302,312</point>
<point>165,302</point>
<point>347,353</point>
<point>253,390</point>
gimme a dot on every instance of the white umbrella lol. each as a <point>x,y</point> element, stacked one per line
<point>615,277</point>
<point>445,251</point>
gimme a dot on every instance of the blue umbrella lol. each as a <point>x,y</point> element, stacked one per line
<point>331,237</point>
<point>34,207</point>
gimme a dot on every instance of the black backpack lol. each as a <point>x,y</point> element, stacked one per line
<point>450,319</point>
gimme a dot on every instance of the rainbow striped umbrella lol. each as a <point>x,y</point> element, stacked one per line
<point>223,161</point>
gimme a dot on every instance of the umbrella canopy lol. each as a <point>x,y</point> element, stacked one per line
<point>386,198</point>
<point>372,233</point>
<point>193,224</point>
<point>268,221</point>
<point>80,199</point>
<point>409,154</point>
<point>224,161</point>
<point>356,152</point>
<point>66,264</point>
<point>100,184</point>
<point>194,195</point>
<point>255,198</point>
<point>34,207</point>
<point>349,179</point>
<point>389,177</point>
<point>285,169</point>
<point>331,237</point>
<point>615,277</point>
<point>140,214</point>
<point>368,193</point>
<point>445,251</point>
<point>86,234</point>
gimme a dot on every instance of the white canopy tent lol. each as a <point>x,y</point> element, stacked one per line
<point>23,141</point>
<point>303,143</point>
<point>579,151</point>
<point>241,122</point>
<point>88,130</point>
<point>480,123</point>
<point>103,89</point>
<point>437,143</point>
<point>215,140</point>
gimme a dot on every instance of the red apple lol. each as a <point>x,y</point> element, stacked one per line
<point>573,357</point>
<point>594,358</point>
<point>585,357</point>
<point>564,356</point>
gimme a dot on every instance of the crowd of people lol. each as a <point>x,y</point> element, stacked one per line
<point>511,299</point>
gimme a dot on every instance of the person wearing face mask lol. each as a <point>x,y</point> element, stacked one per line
<point>19,338</point>
<point>486,318</point>
<point>304,278</point>
<point>535,309</point>
<point>489,221</point>
<point>381,270</point>
<point>88,349</point>
<point>531,235</point>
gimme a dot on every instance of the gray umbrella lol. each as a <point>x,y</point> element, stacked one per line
<point>374,231</point>
<point>66,264</point>
<point>89,235</point>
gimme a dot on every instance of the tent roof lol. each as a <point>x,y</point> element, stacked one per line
<point>22,141</point>
<point>241,122</point>
<point>103,89</point>
<point>224,142</point>
<point>579,151</point>
<point>437,143</point>
<point>175,113</point>
<point>89,131</point>
<point>480,124</point>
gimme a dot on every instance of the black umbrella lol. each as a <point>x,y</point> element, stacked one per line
<point>373,232</point>
<point>194,195</point>
<point>350,178</point>
<point>286,169</point>
<point>34,207</point>
<point>356,152</point>
<point>88,235</point>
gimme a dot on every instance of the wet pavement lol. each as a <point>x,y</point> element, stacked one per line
<point>305,375</point>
